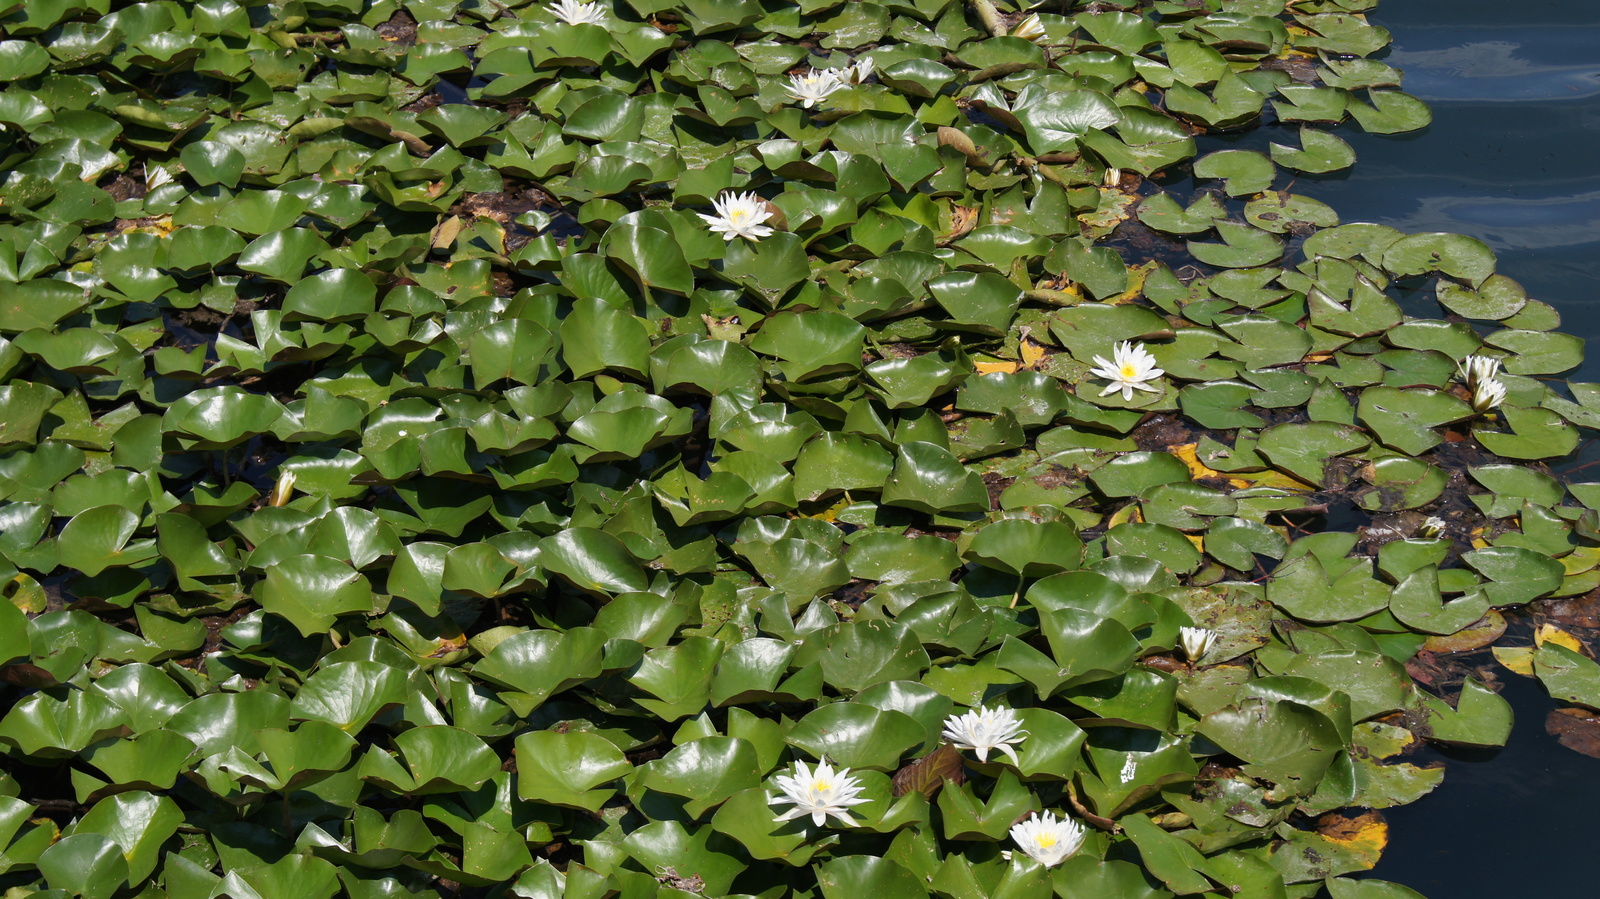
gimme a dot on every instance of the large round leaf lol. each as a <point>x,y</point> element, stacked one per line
<point>857,736</point>
<point>313,591</point>
<point>864,875</point>
<point>349,694</point>
<point>568,769</point>
<point>1027,548</point>
<point>593,561</point>
<point>89,865</point>
<point>931,479</point>
<point>705,772</point>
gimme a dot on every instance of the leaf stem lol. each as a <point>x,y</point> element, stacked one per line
<point>989,16</point>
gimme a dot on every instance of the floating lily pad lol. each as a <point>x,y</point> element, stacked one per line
<point>1406,419</point>
<point>418,480</point>
<point>1459,256</point>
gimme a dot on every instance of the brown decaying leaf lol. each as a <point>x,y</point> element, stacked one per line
<point>1576,729</point>
<point>962,220</point>
<point>668,876</point>
<point>1366,830</point>
<point>927,774</point>
<point>1573,611</point>
<point>953,137</point>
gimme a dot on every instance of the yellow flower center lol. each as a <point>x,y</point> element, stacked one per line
<point>1129,371</point>
<point>821,786</point>
<point>1045,840</point>
<point>736,216</point>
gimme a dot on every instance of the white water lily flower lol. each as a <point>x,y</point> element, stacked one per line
<point>1477,369</point>
<point>1131,368</point>
<point>819,793</point>
<point>1433,527</point>
<point>739,215</point>
<point>984,729</point>
<point>810,89</point>
<point>1030,29</point>
<point>156,175</point>
<point>1487,394</point>
<point>574,12</point>
<point>1196,640</point>
<point>1047,839</point>
<point>859,72</point>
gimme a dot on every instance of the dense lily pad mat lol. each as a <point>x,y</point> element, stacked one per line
<point>403,489</point>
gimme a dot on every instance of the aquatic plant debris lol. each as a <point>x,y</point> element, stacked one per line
<point>490,449</point>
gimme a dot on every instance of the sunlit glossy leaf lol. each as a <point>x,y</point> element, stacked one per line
<point>568,769</point>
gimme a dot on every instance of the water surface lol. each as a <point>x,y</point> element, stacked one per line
<point>1511,155</point>
<point>1510,159</point>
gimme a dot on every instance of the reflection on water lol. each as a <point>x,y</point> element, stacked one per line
<point>1510,157</point>
<point>1519,65</point>
<point>1512,223</point>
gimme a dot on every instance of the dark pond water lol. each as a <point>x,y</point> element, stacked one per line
<point>1511,158</point>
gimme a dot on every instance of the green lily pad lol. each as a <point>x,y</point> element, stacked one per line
<point>930,479</point>
<point>1242,247</point>
<point>1516,575</point>
<point>1135,474</point>
<point>1456,255</point>
<point>1480,718</point>
<point>857,736</point>
<point>1302,588</point>
<point>1537,352</point>
<point>1304,449</point>
<point>568,769</point>
<point>1406,419</point>
<point>1319,152</point>
<point>1536,434</point>
<point>1245,171</point>
<point>1391,112</point>
<point>1497,299</point>
<point>1418,605</point>
<point>1027,548</point>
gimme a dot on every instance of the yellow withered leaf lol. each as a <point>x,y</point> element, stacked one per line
<point>1031,353</point>
<point>1549,633</point>
<point>1126,514</point>
<point>1366,833</point>
<point>1136,277</point>
<point>1517,658</point>
<point>1197,469</point>
<point>1582,559</point>
<point>1003,366</point>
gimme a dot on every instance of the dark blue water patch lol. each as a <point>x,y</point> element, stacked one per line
<point>1508,822</point>
<point>1514,166</point>
<point>1510,159</point>
<point>1494,64</point>
<point>1407,16</point>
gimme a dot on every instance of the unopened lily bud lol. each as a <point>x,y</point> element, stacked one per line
<point>283,490</point>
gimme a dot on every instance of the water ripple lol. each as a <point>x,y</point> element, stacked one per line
<point>1509,67</point>
<point>1506,223</point>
